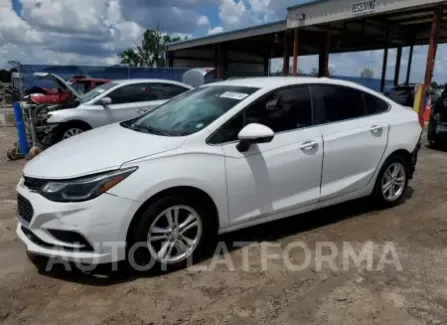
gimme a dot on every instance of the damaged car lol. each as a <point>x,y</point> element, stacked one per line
<point>111,102</point>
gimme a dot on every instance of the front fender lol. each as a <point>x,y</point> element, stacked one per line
<point>205,172</point>
<point>66,115</point>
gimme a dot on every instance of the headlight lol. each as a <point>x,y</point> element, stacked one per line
<point>85,188</point>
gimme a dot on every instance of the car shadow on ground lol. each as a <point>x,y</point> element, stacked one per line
<point>105,275</point>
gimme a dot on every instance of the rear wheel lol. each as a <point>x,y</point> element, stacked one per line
<point>392,181</point>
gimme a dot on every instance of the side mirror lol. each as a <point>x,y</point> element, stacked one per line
<point>254,133</point>
<point>105,101</point>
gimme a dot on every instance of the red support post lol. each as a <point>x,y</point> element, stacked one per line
<point>431,55</point>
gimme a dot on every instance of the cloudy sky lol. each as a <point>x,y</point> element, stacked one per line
<point>92,32</point>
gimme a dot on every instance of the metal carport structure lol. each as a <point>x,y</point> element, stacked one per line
<point>322,27</point>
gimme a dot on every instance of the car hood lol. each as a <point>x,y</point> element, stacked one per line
<point>61,83</point>
<point>97,150</point>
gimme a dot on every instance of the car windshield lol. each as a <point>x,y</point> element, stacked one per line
<point>191,111</point>
<point>96,92</point>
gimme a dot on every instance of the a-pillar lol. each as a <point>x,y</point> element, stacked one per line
<point>431,55</point>
<point>296,47</point>
<point>323,58</point>
<point>286,57</point>
<point>385,59</point>
<point>397,65</point>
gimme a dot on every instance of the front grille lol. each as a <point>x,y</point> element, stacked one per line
<point>34,184</point>
<point>24,209</point>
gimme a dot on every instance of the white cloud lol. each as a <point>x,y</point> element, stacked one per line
<point>178,16</point>
<point>203,21</point>
<point>215,30</point>
<point>234,14</point>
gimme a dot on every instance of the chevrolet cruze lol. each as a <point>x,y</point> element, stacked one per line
<point>217,158</point>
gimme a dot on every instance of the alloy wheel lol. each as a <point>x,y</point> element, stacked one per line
<point>393,181</point>
<point>174,234</point>
<point>71,132</point>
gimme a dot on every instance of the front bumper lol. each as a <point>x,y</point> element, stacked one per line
<point>100,224</point>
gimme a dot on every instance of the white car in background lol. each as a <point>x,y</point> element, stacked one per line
<point>221,157</point>
<point>112,102</point>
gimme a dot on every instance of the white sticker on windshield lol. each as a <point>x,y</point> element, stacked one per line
<point>233,95</point>
<point>100,90</point>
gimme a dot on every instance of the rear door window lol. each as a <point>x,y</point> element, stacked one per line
<point>161,91</point>
<point>339,103</point>
<point>130,94</point>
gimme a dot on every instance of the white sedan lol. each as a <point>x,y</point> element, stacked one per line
<point>111,102</point>
<point>220,157</point>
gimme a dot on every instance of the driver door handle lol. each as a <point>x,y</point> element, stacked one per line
<point>307,146</point>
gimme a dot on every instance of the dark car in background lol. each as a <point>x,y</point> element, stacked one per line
<point>437,123</point>
<point>404,94</point>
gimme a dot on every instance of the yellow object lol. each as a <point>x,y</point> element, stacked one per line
<point>417,98</point>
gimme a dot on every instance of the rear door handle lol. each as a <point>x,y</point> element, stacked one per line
<point>376,129</point>
<point>307,146</point>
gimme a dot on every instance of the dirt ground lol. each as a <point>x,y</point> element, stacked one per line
<point>410,290</point>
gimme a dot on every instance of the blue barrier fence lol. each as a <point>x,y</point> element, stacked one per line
<point>67,72</point>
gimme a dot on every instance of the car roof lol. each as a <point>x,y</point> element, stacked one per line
<point>276,82</point>
<point>133,81</point>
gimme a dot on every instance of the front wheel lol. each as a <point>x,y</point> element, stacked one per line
<point>170,234</point>
<point>69,130</point>
<point>392,181</point>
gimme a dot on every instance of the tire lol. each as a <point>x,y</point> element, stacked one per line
<point>67,130</point>
<point>431,138</point>
<point>143,256</point>
<point>384,198</point>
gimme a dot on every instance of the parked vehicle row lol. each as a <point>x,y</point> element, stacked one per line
<point>217,158</point>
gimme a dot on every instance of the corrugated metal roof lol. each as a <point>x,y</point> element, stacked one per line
<point>230,35</point>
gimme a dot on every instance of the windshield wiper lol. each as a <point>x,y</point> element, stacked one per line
<point>149,129</point>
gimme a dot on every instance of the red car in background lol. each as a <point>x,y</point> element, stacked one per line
<point>65,91</point>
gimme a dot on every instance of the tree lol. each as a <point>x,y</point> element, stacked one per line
<point>152,50</point>
<point>314,72</point>
<point>130,57</point>
<point>434,84</point>
<point>367,73</point>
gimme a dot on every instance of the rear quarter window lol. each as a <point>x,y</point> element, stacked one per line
<point>374,105</point>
